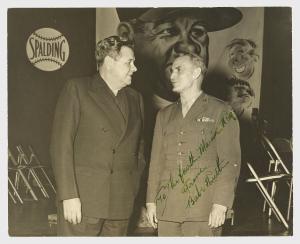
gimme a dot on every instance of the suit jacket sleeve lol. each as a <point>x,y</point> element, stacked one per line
<point>156,160</point>
<point>65,125</point>
<point>229,156</point>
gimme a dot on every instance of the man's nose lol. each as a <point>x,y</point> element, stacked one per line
<point>172,75</point>
<point>133,68</point>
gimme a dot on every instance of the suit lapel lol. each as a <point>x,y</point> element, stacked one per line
<point>127,113</point>
<point>99,92</point>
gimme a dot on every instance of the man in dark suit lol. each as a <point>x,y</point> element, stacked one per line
<point>195,158</point>
<point>97,146</point>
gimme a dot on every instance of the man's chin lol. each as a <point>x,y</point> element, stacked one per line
<point>176,90</point>
<point>127,82</point>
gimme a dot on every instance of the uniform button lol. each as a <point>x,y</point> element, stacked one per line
<point>111,171</point>
<point>199,120</point>
<point>202,132</point>
<point>114,151</point>
<point>180,153</point>
<point>179,143</point>
<point>181,132</point>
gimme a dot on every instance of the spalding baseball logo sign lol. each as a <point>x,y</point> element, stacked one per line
<point>47,49</point>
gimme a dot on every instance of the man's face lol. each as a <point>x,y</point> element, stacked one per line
<point>162,42</point>
<point>123,67</point>
<point>182,71</point>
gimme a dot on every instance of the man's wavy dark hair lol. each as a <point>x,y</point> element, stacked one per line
<point>110,46</point>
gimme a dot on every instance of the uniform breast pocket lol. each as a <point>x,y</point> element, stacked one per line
<point>169,138</point>
<point>202,132</point>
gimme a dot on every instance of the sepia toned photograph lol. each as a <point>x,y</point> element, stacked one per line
<point>150,122</point>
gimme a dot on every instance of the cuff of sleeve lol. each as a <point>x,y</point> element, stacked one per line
<point>64,196</point>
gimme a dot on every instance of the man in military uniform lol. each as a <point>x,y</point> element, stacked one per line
<point>195,158</point>
<point>160,35</point>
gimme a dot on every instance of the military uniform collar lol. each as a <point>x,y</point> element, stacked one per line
<point>198,107</point>
<point>203,97</point>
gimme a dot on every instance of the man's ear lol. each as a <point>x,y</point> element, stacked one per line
<point>108,62</point>
<point>125,30</point>
<point>197,72</point>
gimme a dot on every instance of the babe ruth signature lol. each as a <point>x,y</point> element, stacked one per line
<point>208,176</point>
<point>209,179</point>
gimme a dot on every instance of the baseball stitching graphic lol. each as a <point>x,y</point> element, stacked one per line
<point>47,49</point>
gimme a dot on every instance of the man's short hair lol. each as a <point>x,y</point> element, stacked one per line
<point>110,46</point>
<point>197,61</point>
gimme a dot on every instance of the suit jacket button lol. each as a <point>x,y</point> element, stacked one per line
<point>111,171</point>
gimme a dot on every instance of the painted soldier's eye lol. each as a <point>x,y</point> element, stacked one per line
<point>167,32</point>
<point>198,31</point>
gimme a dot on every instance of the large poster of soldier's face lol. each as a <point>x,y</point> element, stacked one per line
<point>231,43</point>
